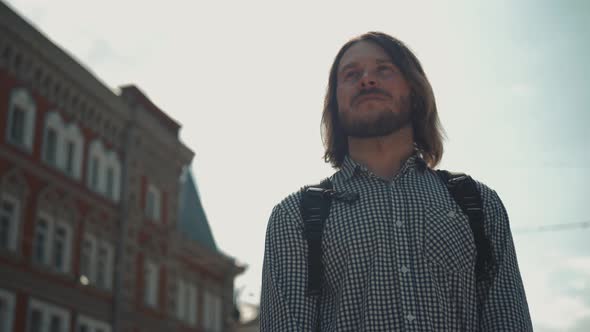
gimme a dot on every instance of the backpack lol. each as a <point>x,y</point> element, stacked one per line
<point>315,208</point>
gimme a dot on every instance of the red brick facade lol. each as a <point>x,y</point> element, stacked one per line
<point>134,237</point>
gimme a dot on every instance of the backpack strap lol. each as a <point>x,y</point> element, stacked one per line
<point>315,208</point>
<point>464,191</point>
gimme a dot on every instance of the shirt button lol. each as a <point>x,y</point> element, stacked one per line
<point>405,269</point>
<point>451,214</point>
<point>410,317</point>
<point>399,223</point>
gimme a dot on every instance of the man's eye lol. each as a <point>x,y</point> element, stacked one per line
<point>385,69</point>
<point>350,74</point>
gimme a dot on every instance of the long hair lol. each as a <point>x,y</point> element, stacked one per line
<point>428,131</point>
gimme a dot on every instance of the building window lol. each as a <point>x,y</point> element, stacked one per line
<point>151,276</point>
<point>55,323</point>
<point>104,171</point>
<point>35,320</point>
<point>212,320</point>
<point>45,317</point>
<point>21,119</point>
<point>52,246</point>
<point>51,146</point>
<point>41,244</point>
<point>6,310</point>
<point>62,145</point>
<point>97,263</point>
<point>94,169</point>
<point>104,266</point>
<point>86,324</point>
<point>110,183</point>
<point>152,203</point>
<point>101,265</point>
<point>9,222</point>
<point>71,148</point>
<point>87,260</point>
<point>59,247</point>
<point>186,302</point>
<point>17,126</point>
<point>70,151</point>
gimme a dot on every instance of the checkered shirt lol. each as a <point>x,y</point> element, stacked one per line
<point>400,258</point>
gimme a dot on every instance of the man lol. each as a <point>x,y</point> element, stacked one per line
<point>402,257</point>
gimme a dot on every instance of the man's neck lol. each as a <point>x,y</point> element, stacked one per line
<point>383,156</point>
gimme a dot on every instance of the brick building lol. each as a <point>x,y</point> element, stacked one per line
<point>101,225</point>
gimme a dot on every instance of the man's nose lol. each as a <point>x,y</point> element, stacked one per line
<point>368,79</point>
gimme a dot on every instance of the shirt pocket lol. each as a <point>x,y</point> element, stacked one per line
<point>448,240</point>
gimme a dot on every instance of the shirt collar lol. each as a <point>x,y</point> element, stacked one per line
<point>350,167</point>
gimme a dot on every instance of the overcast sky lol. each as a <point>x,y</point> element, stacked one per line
<point>246,80</point>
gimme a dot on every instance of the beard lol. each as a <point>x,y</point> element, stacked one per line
<point>377,122</point>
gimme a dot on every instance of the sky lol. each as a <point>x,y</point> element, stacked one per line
<point>246,80</point>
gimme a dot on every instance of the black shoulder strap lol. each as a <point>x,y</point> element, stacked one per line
<point>315,208</point>
<point>464,191</point>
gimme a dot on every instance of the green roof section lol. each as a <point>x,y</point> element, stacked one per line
<point>192,219</point>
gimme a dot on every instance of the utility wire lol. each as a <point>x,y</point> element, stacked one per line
<point>553,228</point>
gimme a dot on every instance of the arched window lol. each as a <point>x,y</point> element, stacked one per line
<point>21,119</point>
<point>62,145</point>
<point>97,261</point>
<point>52,245</point>
<point>73,145</point>
<point>104,171</point>
<point>13,192</point>
<point>52,139</point>
<point>113,176</point>
<point>96,164</point>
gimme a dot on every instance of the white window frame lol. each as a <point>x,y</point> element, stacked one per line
<point>66,246</point>
<point>15,222</point>
<point>180,299</point>
<point>110,192</point>
<point>186,302</point>
<point>65,133</point>
<point>153,212</point>
<point>94,175</point>
<point>212,311</point>
<point>96,150</point>
<point>23,99</point>
<point>109,265</point>
<point>112,161</point>
<point>47,310</point>
<point>106,159</point>
<point>93,272</point>
<point>72,133</point>
<point>192,305</point>
<point>151,282</point>
<point>45,151</point>
<point>217,309</point>
<point>47,237</point>
<point>48,247</point>
<point>53,121</point>
<point>93,325</point>
<point>8,298</point>
<point>70,157</point>
<point>90,274</point>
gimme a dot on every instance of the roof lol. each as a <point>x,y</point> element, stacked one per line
<point>192,219</point>
<point>147,103</point>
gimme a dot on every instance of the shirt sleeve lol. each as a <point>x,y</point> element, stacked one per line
<point>284,307</point>
<point>501,299</point>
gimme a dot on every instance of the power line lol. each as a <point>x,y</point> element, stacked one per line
<point>553,228</point>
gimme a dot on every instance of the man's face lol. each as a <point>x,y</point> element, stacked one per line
<point>372,94</point>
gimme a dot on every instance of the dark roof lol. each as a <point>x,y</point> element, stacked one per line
<point>192,219</point>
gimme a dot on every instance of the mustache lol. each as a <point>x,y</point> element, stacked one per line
<point>376,91</point>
